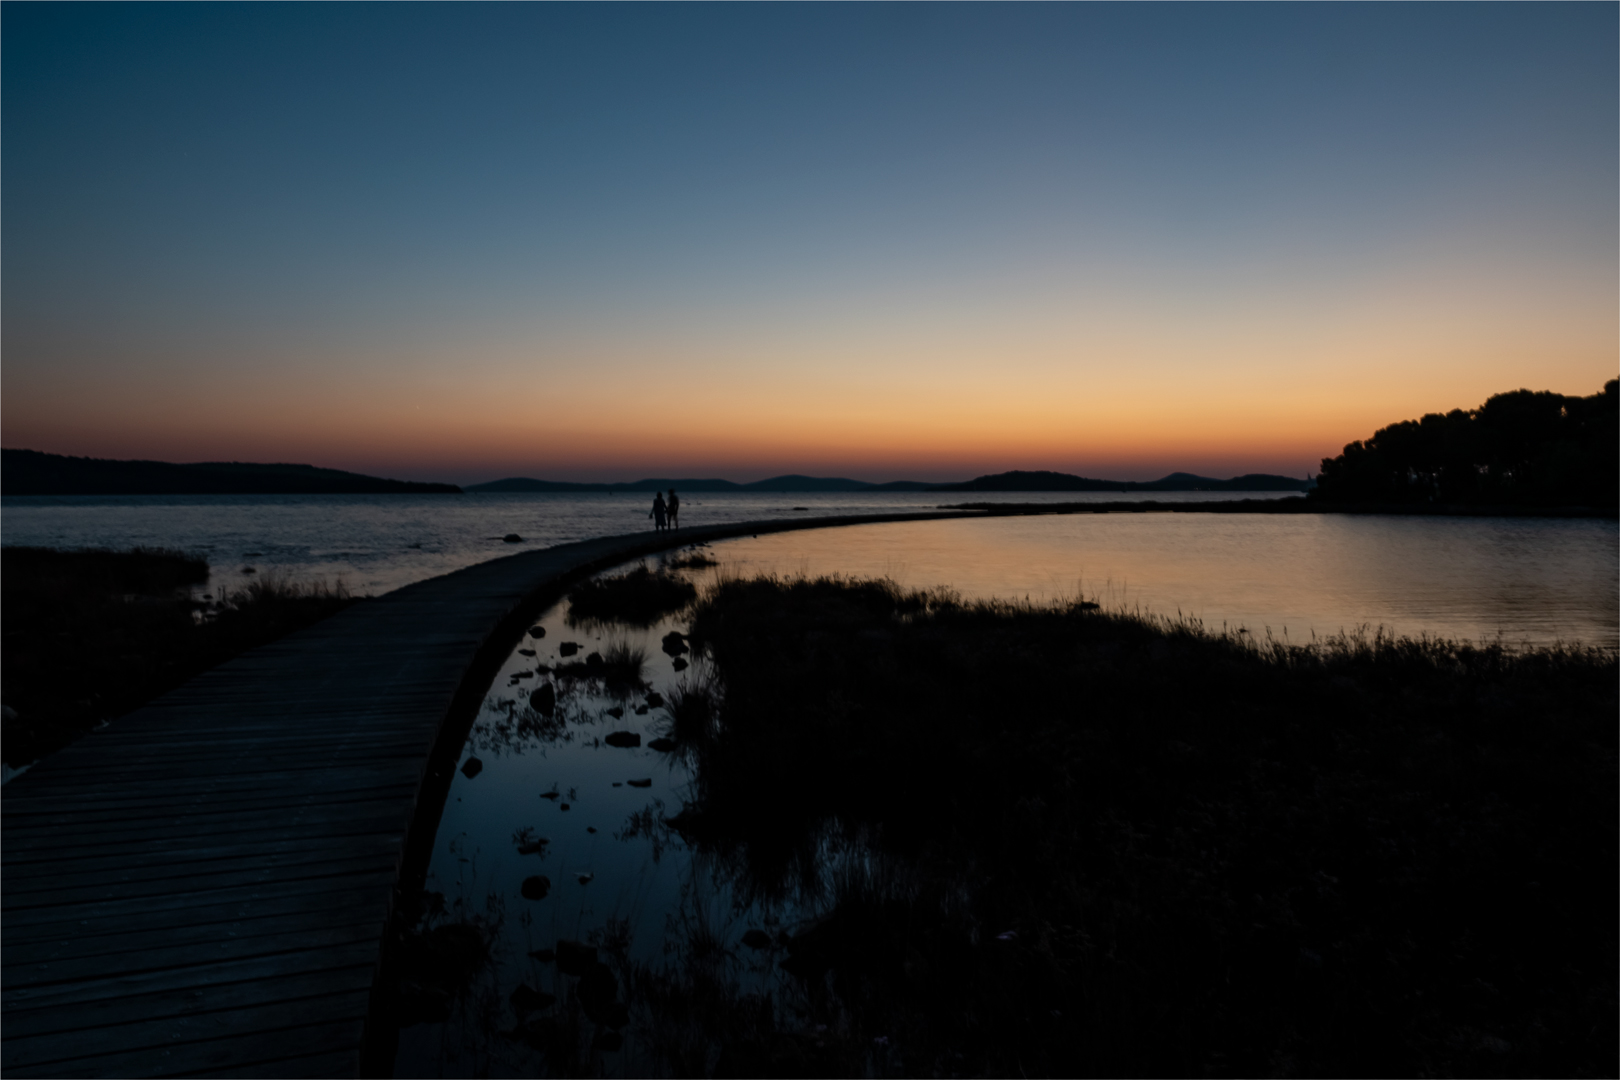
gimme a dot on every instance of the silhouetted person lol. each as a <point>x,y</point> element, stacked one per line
<point>674,509</point>
<point>658,512</point>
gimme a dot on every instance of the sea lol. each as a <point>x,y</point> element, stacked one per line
<point>1534,581</point>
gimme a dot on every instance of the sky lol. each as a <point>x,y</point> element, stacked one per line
<point>914,241</point>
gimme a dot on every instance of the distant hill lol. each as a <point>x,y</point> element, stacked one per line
<point>784,484</point>
<point>29,472</point>
<point>1180,481</point>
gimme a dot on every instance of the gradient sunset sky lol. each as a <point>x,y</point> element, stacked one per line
<point>463,242</point>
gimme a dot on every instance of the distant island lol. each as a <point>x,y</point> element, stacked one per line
<point>785,484</point>
<point>30,472</point>
<point>1179,481</point>
<point>1524,448</point>
<point>1007,481</point>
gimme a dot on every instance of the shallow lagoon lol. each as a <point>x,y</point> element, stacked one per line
<point>617,875</point>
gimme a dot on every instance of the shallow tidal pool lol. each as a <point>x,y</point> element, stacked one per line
<point>553,832</point>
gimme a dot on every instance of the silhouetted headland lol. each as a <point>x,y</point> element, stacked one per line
<point>1523,448</point>
<point>30,472</point>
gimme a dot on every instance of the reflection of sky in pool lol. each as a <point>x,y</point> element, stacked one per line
<point>643,881</point>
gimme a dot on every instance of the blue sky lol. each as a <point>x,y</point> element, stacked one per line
<point>603,241</point>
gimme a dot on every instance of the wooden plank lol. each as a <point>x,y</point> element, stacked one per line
<point>191,987</point>
<point>229,797</point>
<point>229,801</point>
<point>128,866</point>
<point>135,907</point>
<point>272,832</point>
<point>169,1032</point>
<point>210,941</point>
<point>335,864</point>
<point>298,899</point>
<point>209,1058</point>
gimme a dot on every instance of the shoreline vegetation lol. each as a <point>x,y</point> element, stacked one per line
<point>1123,845</point>
<point>93,634</point>
<point>1088,842</point>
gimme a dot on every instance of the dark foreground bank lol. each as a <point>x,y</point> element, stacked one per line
<point>91,635</point>
<point>1108,846</point>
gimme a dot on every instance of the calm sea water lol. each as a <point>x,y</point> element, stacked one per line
<point>1525,579</point>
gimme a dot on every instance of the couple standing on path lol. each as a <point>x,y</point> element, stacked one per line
<point>666,515</point>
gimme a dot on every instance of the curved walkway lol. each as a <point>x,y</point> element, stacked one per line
<point>202,887</point>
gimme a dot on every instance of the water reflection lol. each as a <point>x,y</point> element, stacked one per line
<point>1537,580</point>
<point>569,835</point>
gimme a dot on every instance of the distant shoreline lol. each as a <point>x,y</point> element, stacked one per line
<point>30,472</point>
<point>1287,506</point>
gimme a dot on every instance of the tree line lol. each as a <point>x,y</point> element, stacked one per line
<point>1520,447</point>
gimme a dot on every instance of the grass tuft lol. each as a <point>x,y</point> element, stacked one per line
<point>639,597</point>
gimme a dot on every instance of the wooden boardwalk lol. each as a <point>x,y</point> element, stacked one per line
<point>203,886</point>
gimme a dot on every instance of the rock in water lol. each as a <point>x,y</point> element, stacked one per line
<point>616,712</point>
<point>598,993</point>
<point>512,538</point>
<point>655,699</point>
<point>663,746</point>
<point>568,648</point>
<point>544,700</point>
<point>537,631</point>
<point>536,888</point>
<point>573,957</point>
<point>640,783</point>
<point>594,660</point>
<point>678,665</point>
<point>674,643</point>
<point>623,739</point>
<point>472,768</point>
